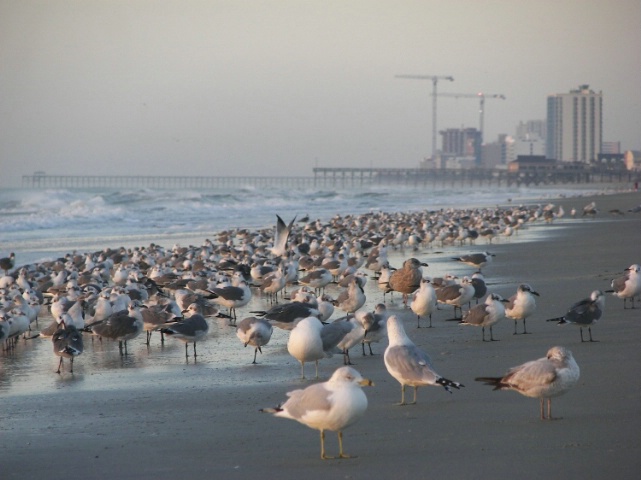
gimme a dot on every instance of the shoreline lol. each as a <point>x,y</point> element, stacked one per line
<point>173,419</point>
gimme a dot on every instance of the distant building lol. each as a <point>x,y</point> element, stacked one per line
<point>610,161</point>
<point>611,147</point>
<point>575,125</point>
<point>498,153</point>
<point>531,163</point>
<point>532,129</point>
<point>461,142</point>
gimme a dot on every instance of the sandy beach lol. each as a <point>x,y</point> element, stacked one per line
<point>156,416</point>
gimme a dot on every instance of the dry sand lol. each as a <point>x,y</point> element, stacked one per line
<point>194,421</point>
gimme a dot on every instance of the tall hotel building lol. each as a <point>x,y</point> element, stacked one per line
<point>575,125</point>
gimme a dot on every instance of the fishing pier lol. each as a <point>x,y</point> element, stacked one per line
<point>338,177</point>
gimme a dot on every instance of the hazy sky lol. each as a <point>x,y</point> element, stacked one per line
<point>233,87</point>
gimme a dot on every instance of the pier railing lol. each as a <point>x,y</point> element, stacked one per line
<point>339,177</point>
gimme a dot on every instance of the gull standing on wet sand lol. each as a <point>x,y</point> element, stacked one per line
<point>628,285</point>
<point>332,405</point>
<point>305,343</point>
<point>375,325</point>
<point>409,364</point>
<point>521,305</point>
<point>352,298</point>
<point>584,313</point>
<point>478,260</point>
<point>424,302</point>
<point>456,295</point>
<point>486,314</point>
<point>121,326</point>
<point>67,343</point>
<point>255,332</point>
<point>192,328</point>
<point>547,377</point>
<point>407,279</point>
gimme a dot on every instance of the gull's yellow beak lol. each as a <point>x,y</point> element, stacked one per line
<point>366,382</point>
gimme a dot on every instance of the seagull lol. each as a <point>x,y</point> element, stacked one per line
<point>584,313</point>
<point>353,337</point>
<point>281,235</point>
<point>424,302</point>
<point>332,405</point>
<point>155,317</point>
<point>521,305</point>
<point>407,279</point>
<point>457,294</point>
<point>352,298</point>
<point>478,260</point>
<point>547,377</point>
<point>410,365</point>
<point>190,329</point>
<point>122,326</point>
<point>375,325</point>
<point>232,297</point>
<point>486,314</point>
<point>7,263</point>
<point>383,279</point>
<point>67,343</point>
<point>287,315</point>
<point>255,332</point>
<point>480,288</point>
<point>317,279</point>
<point>628,285</point>
<point>305,343</point>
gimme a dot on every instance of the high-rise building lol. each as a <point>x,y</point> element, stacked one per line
<point>575,125</point>
<point>462,142</point>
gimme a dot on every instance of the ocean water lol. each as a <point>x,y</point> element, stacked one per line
<point>43,224</point>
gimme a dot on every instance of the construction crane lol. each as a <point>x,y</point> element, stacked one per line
<point>434,79</point>
<point>481,96</point>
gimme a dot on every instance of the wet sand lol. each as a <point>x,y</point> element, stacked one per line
<point>155,416</point>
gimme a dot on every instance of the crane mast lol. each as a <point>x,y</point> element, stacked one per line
<point>481,96</point>
<point>434,79</point>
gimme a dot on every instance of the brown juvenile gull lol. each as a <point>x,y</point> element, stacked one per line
<point>407,279</point>
<point>409,364</point>
<point>547,377</point>
<point>332,405</point>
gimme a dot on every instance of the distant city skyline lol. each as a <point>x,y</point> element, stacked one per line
<point>275,87</point>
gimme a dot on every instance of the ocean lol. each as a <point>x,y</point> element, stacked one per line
<point>43,224</point>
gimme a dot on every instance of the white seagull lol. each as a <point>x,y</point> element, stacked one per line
<point>409,364</point>
<point>547,377</point>
<point>332,405</point>
<point>521,305</point>
<point>628,285</point>
<point>255,332</point>
<point>424,302</point>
